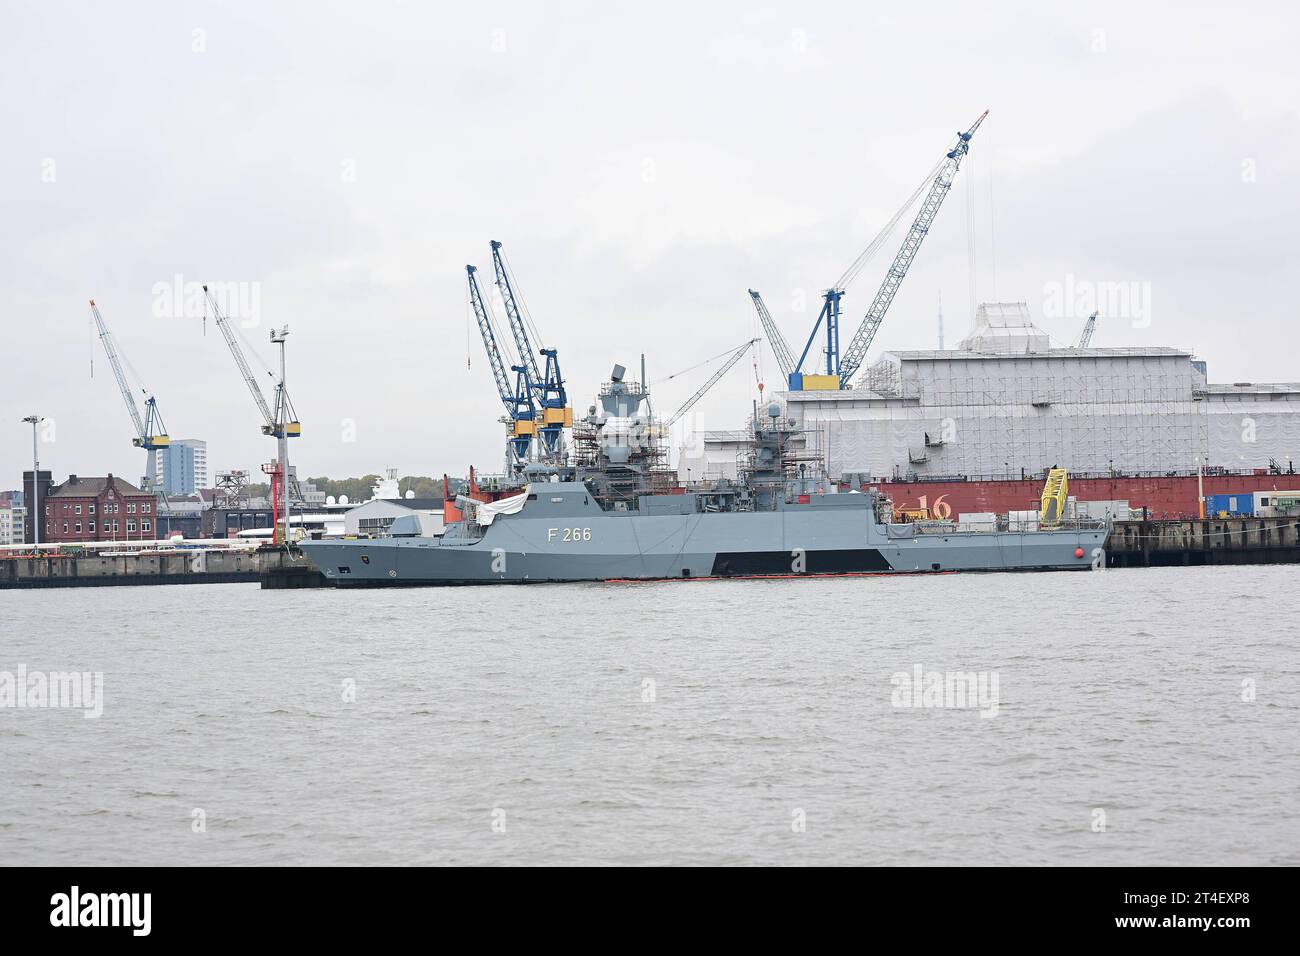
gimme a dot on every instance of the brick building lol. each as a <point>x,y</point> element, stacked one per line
<point>98,509</point>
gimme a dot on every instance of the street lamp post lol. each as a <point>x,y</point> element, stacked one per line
<point>35,420</point>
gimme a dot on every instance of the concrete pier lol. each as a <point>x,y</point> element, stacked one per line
<point>291,570</point>
<point>1204,541</point>
<point>198,566</point>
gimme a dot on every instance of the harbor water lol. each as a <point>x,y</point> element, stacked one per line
<point>1114,717</point>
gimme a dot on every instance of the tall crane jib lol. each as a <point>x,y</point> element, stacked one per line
<point>839,368</point>
<point>273,423</point>
<point>857,350</point>
<point>548,384</point>
<point>687,405</point>
<point>517,398</point>
<point>784,360</point>
<point>150,433</point>
<point>1086,335</point>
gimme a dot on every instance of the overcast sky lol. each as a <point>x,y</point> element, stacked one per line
<point>642,165</point>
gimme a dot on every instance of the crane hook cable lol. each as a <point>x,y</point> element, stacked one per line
<point>858,264</point>
<point>660,381</point>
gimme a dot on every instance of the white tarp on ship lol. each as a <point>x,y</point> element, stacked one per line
<point>487,512</point>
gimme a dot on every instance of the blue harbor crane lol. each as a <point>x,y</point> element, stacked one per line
<point>517,398</point>
<point>547,383</point>
<point>840,368</point>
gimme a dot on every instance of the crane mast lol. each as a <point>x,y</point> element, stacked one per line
<point>547,383</point>
<point>1086,335</point>
<point>857,350</point>
<point>515,316</point>
<point>246,373</point>
<point>150,433</point>
<point>774,337</point>
<point>713,380</point>
<point>518,400</point>
<point>280,424</point>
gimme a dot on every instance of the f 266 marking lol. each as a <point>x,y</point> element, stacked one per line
<point>569,534</point>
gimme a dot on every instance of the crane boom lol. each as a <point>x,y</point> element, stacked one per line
<point>774,337</point>
<point>1088,328</point>
<point>489,340</point>
<point>150,432</point>
<point>513,313</point>
<point>110,347</point>
<point>547,383</point>
<point>713,380</point>
<point>866,332</point>
<point>223,323</point>
<point>517,400</point>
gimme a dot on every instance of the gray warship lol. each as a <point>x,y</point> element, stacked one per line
<point>612,512</point>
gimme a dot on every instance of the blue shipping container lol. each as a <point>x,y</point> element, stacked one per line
<point>1240,505</point>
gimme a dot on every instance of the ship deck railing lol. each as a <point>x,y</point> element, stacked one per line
<point>1040,475</point>
<point>1004,525</point>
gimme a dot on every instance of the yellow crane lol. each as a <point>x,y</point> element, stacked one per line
<point>1055,493</point>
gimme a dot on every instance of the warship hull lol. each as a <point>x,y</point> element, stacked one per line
<point>560,534</point>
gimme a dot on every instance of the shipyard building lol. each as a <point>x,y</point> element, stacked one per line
<point>1006,404</point>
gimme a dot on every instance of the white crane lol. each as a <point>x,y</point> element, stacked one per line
<point>150,433</point>
<point>281,424</point>
<point>1086,335</point>
<point>713,380</point>
<point>774,337</point>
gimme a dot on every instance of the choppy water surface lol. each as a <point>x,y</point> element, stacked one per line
<point>689,722</point>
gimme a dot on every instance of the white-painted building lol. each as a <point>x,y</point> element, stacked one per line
<point>1005,401</point>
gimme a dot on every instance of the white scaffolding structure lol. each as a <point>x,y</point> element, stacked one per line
<point>1005,404</point>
